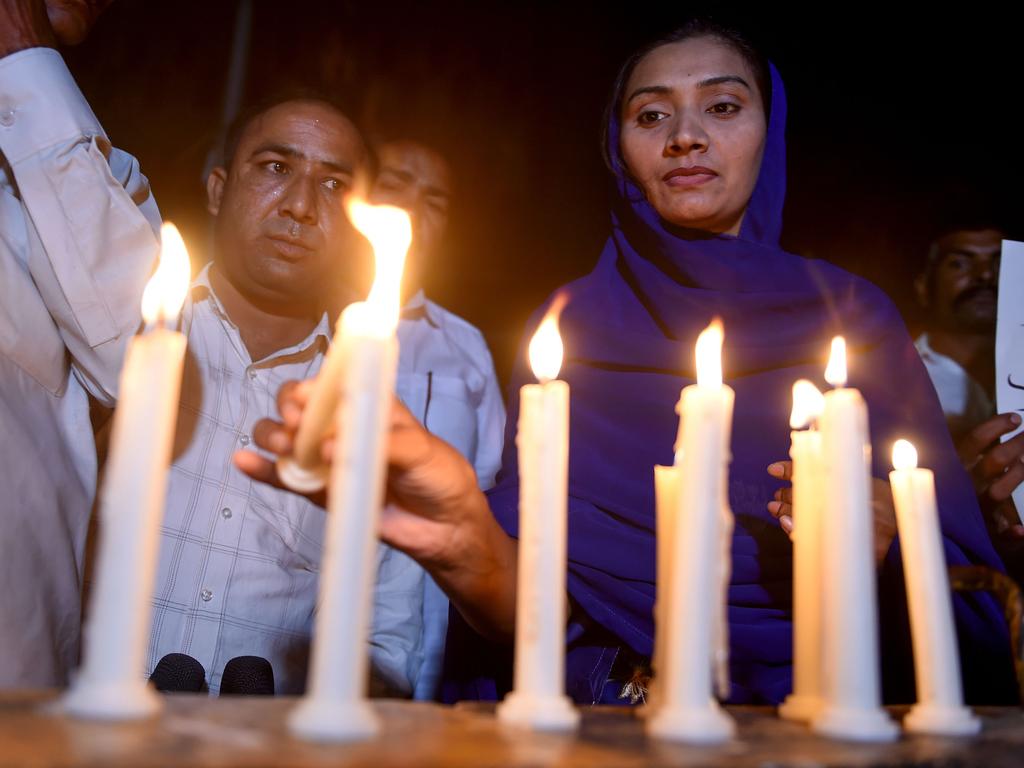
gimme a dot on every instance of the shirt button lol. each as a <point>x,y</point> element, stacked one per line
<point>252,373</point>
<point>7,117</point>
<point>225,513</point>
<point>206,595</point>
<point>244,439</point>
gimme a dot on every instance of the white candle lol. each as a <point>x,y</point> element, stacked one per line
<point>304,471</point>
<point>940,707</point>
<point>805,451</point>
<point>335,707</point>
<point>110,683</point>
<point>852,706</point>
<point>693,612</point>
<point>666,500</point>
<point>538,697</point>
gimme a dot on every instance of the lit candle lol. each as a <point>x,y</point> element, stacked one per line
<point>852,703</point>
<point>110,683</point>
<point>335,707</point>
<point>805,451</point>
<point>693,613</point>
<point>304,470</point>
<point>940,707</point>
<point>538,697</point>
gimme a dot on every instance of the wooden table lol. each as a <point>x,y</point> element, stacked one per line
<point>250,731</point>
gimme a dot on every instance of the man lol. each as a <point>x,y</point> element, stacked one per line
<point>445,373</point>
<point>239,561</point>
<point>958,291</point>
<point>78,237</point>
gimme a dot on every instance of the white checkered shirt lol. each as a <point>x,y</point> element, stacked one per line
<point>239,560</point>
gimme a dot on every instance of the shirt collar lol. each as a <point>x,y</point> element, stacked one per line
<point>320,335</point>
<point>418,307</point>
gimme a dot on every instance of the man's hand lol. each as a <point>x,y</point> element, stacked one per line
<point>45,23</point>
<point>882,509</point>
<point>996,470</point>
<point>434,510</point>
<point>24,24</point>
<point>71,20</point>
<point>428,481</point>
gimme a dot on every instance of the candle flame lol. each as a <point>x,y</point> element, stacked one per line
<point>709,355</point>
<point>166,289</point>
<point>835,372</point>
<point>808,404</point>
<point>389,231</point>
<point>904,455</point>
<point>546,350</point>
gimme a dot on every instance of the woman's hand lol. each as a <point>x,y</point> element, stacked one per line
<point>434,511</point>
<point>882,509</point>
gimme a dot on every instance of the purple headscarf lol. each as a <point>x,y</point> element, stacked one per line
<point>629,329</point>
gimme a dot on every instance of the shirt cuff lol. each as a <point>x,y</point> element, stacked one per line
<point>40,104</point>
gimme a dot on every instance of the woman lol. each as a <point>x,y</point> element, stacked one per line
<point>695,142</point>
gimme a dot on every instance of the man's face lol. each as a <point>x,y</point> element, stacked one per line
<point>281,228</point>
<point>417,179</point>
<point>961,294</point>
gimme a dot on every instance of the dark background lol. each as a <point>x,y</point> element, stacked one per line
<point>898,125</point>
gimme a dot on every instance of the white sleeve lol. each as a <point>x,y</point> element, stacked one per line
<point>91,222</point>
<point>490,424</point>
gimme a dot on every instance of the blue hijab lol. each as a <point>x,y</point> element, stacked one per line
<point>629,329</point>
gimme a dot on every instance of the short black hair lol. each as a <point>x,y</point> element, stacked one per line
<point>700,26</point>
<point>236,129</point>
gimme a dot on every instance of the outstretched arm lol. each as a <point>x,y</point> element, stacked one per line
<point>434,512</point>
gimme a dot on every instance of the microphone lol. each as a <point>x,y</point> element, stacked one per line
<point>178,673</point>
<point>247,676</point>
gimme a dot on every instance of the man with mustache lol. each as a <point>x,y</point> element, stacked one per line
<point>239,561</point>
<point>958,292</point>
<point>69,302</point>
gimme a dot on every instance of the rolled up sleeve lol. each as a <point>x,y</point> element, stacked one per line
<point>91,221</point>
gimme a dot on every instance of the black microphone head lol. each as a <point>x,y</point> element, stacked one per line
<point>178,673</point>
<point>247,676</point>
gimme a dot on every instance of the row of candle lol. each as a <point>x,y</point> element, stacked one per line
<point>835,674</point>
<point>836,666</point>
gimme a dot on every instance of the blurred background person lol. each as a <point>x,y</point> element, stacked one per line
<point>445,372</point>
<point>957,293</point>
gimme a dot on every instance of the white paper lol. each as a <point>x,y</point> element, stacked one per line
<point>1010,343</point>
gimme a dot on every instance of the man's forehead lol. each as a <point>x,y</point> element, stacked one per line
<point>416,162</point>
<point>971,241</point>
<point>314,126</point>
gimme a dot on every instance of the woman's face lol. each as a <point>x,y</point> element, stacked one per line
<point>693,132</point>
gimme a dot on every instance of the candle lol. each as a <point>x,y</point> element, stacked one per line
<point>538,697</point>
<point>692,608</point>
<point>940,708</point>
<point>852,704</point>
<point>666,499</point>
<point>805,451</point>
<point>335,707</point>
<point>304,470</point>
<point>110,683</point>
